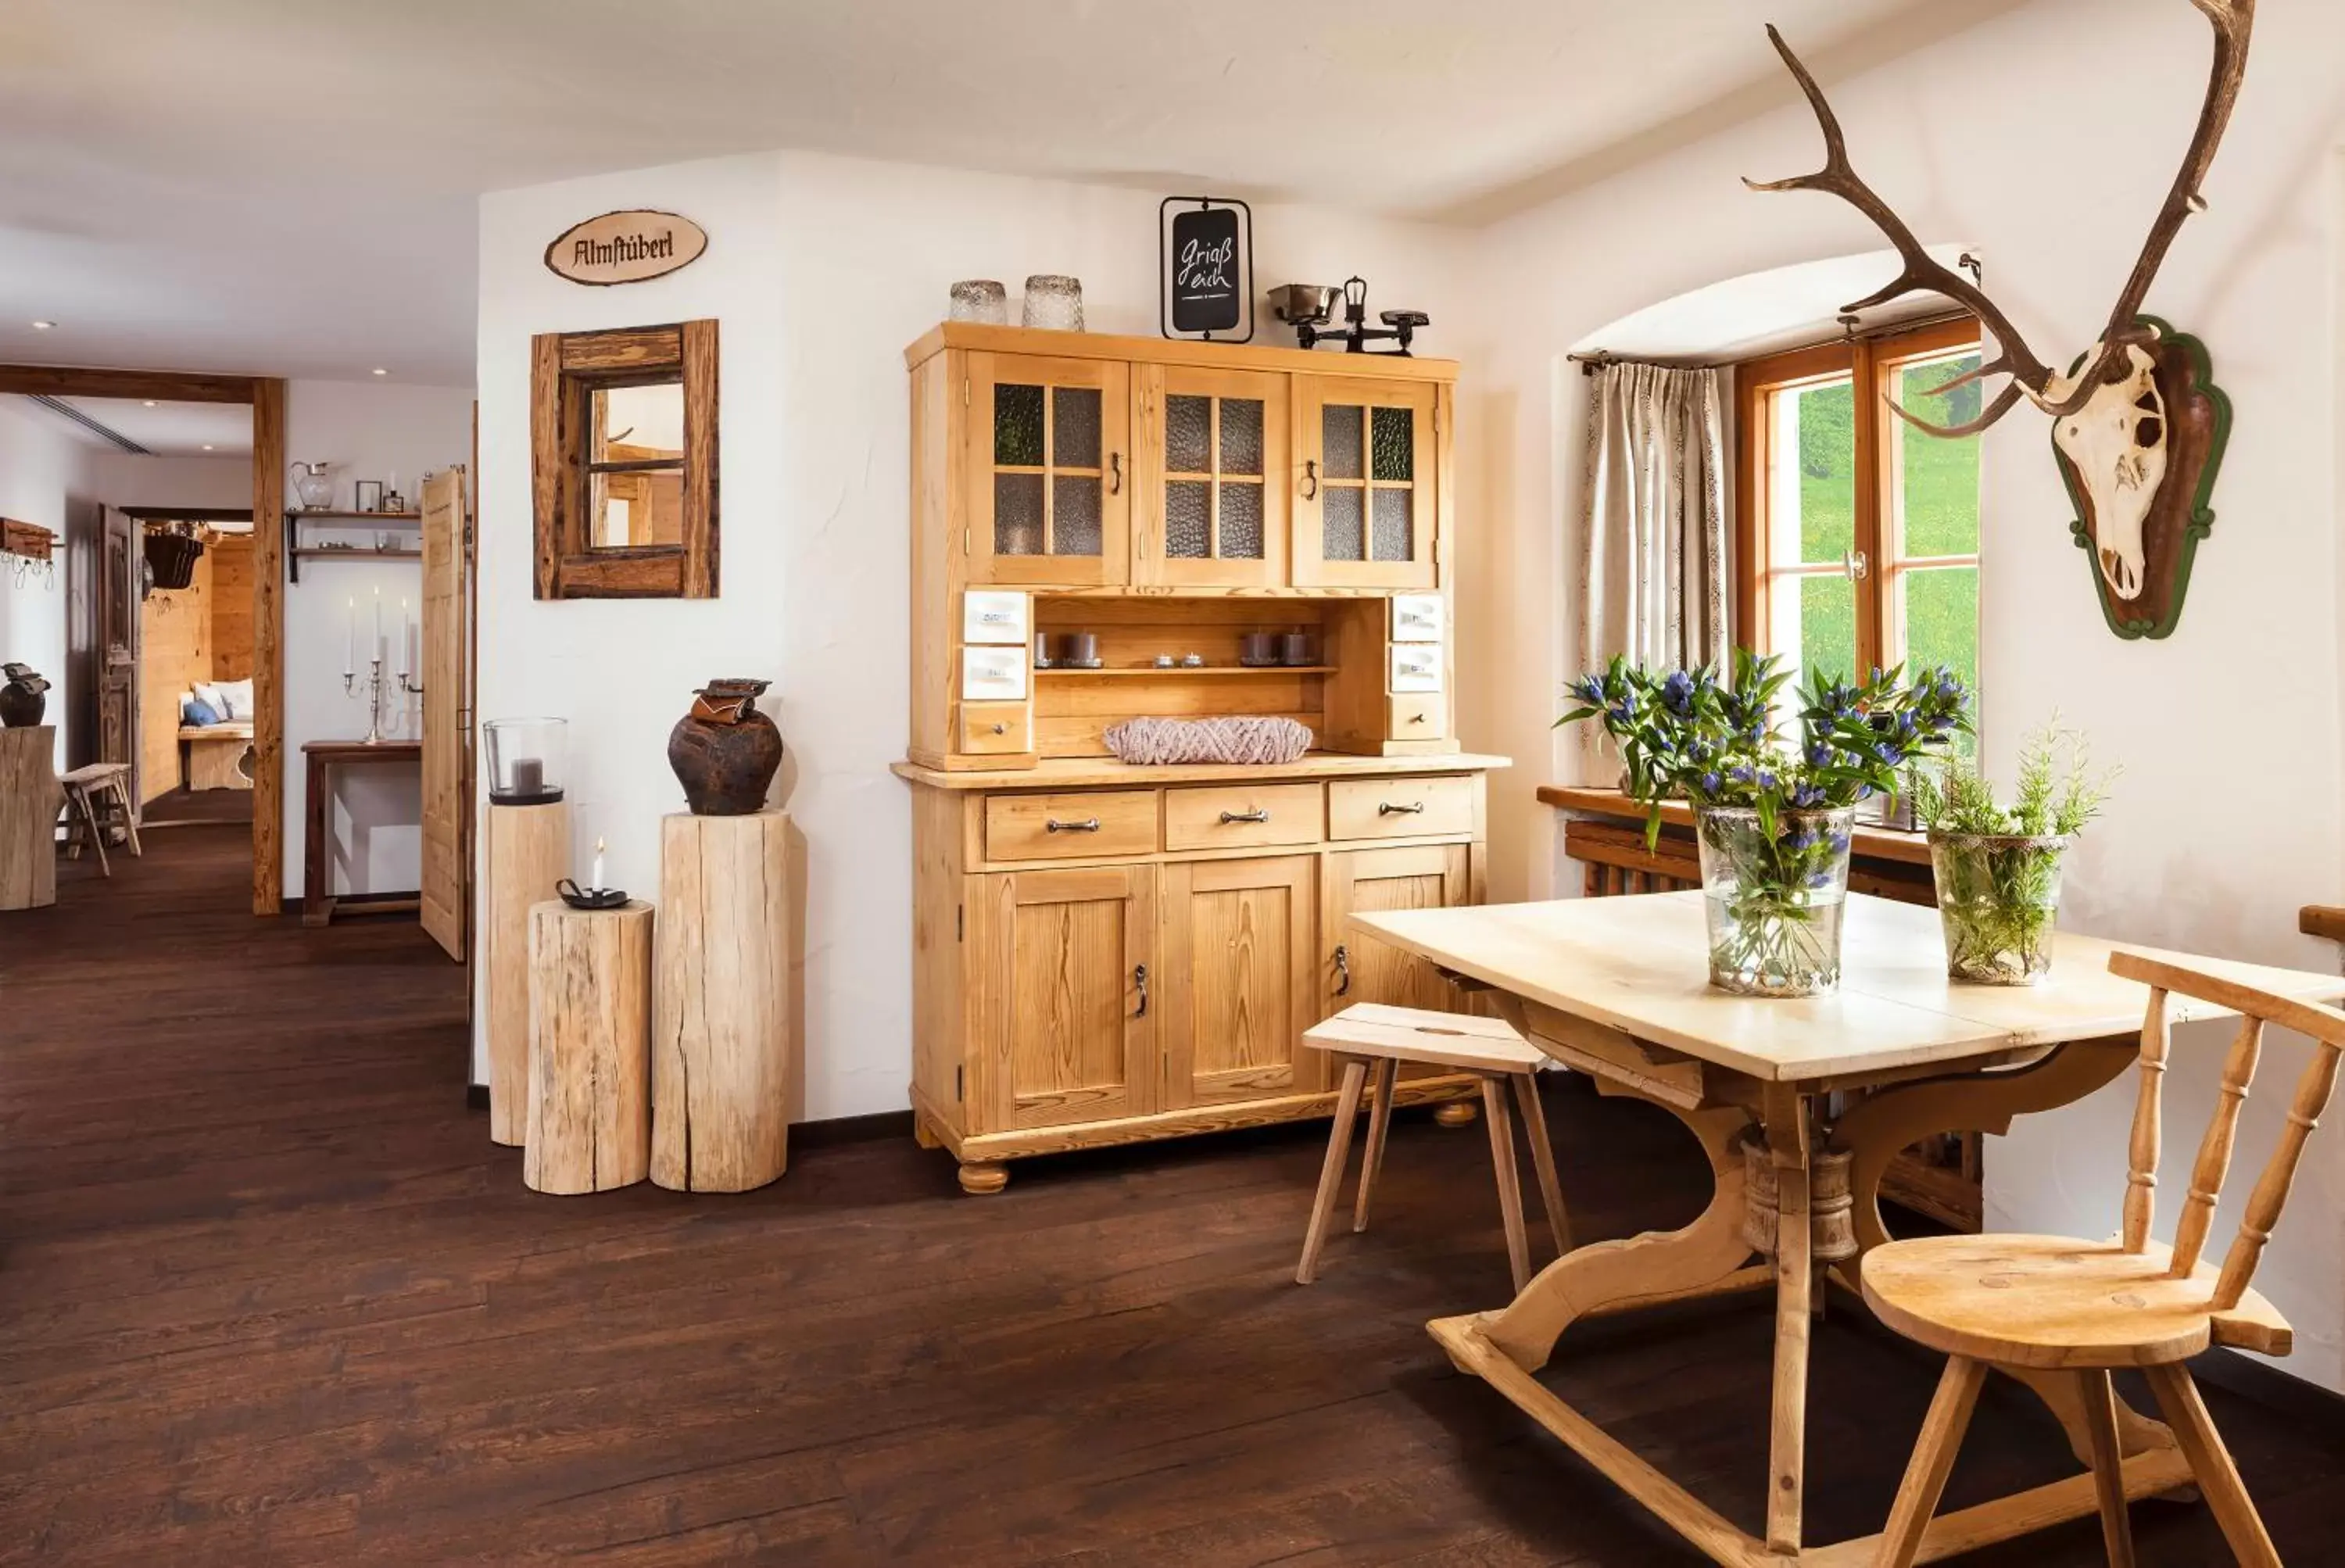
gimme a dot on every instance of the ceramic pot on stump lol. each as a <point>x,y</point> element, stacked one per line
<point>725,752</point>
<point>21,700</point>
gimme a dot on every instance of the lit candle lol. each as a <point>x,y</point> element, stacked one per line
<point>404,632</point>
<point>375,652</point>
<point>594,879</point>
<point>351,647</point>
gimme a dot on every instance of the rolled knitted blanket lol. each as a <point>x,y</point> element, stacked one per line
<point>1151,742</point>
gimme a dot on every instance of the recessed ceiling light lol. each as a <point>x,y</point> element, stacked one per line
<point>43,326</point>
<point>379,371</point>
<point>207,446</point>
<point>148,404</point>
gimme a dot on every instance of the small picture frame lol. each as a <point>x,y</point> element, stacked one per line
<point>991,616</point>
<point>367,495</point>
<point>994,674</point>
<point>1416,617</point>
<point>1415,668</point>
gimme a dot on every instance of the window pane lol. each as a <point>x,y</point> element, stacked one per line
<point>1075,427</point>
<point>1242,435</point>
<point>1939,610</point>
<point>1343,524</point>
<point>1936,484</point>
<point>1017,425</point>
<point>637,507</point>
<point>1018,514</point>
<point>1812,498</point>
<point>638,423</point>
<point>1188,433</point>
<point>1075,515</point>
<point>1240,520</point>
<point>1814,628</point>
<point>1188,505</point>
<point>1394,441</point>
<point>1339,440</point>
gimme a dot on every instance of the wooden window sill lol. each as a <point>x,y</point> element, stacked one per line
<point>1873,842</point>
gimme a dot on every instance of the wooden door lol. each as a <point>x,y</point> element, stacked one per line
<point>1367,502</point>
<point>447,711</point>
<point>1067,997</point>
<point>1361,969</point>
<point>1239,980</point>
<point>117,645</point>
<point>1048,465</point>
<point>1208,506</point>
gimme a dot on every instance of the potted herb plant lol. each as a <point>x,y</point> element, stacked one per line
<point>1773,818</point>
<point>1998,867</point>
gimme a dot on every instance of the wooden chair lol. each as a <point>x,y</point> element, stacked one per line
<point>2050,1303</point>
<point>1455,1043</point>
<point>93,792</point>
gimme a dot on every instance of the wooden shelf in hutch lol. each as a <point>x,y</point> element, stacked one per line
<point>296,552</point>
<point>1106,953</point>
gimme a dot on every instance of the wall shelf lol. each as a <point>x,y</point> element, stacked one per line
<point>296,552</point>
<point>1127,672</point>
<point>327,515</point>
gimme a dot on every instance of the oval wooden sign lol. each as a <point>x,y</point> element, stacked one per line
<point>625,247</point>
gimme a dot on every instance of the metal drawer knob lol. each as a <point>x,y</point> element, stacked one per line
<point>1259,814</point>
<point>1088,825</point>
<point>1410,809</point>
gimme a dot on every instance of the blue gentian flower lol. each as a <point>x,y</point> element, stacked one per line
<point>1892,754</point>
<point>1739,773</point>
<point>1766,780</point>
<point>1820,879</point>
<point>1819,755</point>
<point>1839,840</point>
<point>1710,783</point>
<point>1805,796</point>
<point>1677,692</point>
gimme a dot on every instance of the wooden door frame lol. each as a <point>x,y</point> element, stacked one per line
<point>265,397</point>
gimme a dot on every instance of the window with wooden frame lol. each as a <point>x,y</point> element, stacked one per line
<point>1857,535</point>
<point>622,437</point>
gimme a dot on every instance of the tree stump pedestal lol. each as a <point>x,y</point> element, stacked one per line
<point>528,852</point>
<point>590,973</point>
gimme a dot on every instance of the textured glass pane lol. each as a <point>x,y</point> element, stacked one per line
<point>1343,526</point>
<point>1394,436</point>
<point>1812,495</point>
<point>1075,515</point>
<point>1017,425</point>
<point>1241,521</point>
<point>1189,434</point>
<point>1941,619</point>
<point>1188,514</point>
<point>1339,440</point>
<point>1075,427</point>
<point>1815,626</point>
<point>1937,491</point>
<point>1395,537</point>
<point>1017,514</point>
<point>1241,435</point>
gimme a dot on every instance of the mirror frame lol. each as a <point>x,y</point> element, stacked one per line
<point>565,370</point>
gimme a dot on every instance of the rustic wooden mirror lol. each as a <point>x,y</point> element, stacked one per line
<point>623,439</point>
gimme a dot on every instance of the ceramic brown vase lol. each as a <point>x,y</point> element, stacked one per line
<point>21,699</point>
<point>725,752</point>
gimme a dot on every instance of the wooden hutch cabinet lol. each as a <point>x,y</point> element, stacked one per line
<point>1107,953</point>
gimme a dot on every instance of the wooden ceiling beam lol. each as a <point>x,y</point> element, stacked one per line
<point>173,386</point>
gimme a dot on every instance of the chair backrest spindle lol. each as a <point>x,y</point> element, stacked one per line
<point>2325,1025</point>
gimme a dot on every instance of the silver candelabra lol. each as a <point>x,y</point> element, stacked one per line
<point>375,689</point>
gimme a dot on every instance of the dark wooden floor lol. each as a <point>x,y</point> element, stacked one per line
<point>269,1296</point>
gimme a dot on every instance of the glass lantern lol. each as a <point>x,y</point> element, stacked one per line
<point>525,760</point>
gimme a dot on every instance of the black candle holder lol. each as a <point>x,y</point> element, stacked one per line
<point>580,898</point>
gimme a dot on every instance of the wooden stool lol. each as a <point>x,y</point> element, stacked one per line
<point>2066,1307</point>
<point>1455,1043</point>
<point>92,791</point>
<point>590,1048</point>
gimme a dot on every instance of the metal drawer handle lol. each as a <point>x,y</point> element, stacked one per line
<point>1344,969</point>
<point>1311,479</point>
<point>1388,809</point>
<point>1116,473</point>
<point>1418,717</point>
<point>1259,814</point>
<point>1001,728</point>
<point>1140,978</point>
<point>1088,825</point>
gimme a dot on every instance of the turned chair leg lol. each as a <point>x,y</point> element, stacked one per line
<point>1558,1224</point>
<point>1933,1459</point>
<point>1331,1172</point>
<point>1510,1189</point>
<point>2210,1463</point>
<point>2108,1464</point>
<point>1372,1161</point>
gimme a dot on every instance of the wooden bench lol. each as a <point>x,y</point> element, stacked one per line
<point>217,754</point>
<point>1486,1048</point>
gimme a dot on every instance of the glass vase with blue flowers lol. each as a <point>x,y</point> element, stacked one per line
<point>1773,813</point>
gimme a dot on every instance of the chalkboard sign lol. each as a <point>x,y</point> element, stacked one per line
<point>1208,269</point>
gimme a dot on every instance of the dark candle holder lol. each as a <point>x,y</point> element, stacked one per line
<point>580,898</point>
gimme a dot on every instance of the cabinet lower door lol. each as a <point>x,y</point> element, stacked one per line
<point>1068,1002</point>
<point>1361,969</point>
<point>1237,950</point>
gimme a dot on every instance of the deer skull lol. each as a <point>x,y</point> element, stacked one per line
<point>2117,442</point>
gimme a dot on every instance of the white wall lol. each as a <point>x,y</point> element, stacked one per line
<point>368,431</point>
<point>820,270</point>
<point>2230,815</point>
<point>127,479</point>
<point>42,471</point>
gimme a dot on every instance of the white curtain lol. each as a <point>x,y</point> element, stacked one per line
<point>1653,572</point>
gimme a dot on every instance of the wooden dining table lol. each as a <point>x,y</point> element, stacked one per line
<point>1618,988</point>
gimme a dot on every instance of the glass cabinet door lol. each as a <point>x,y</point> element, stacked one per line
<point>1212,510</point>
<point>1366,492</point>
<point>1048,498</point>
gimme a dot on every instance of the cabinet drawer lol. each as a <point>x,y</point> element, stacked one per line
<point>994,727</point>
<point>1399,807</point>
<point>1241,816</point>
<point>1416,718</point>
<point>1063,827</point>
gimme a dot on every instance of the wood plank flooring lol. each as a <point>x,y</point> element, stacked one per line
<point>267,1295</point>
